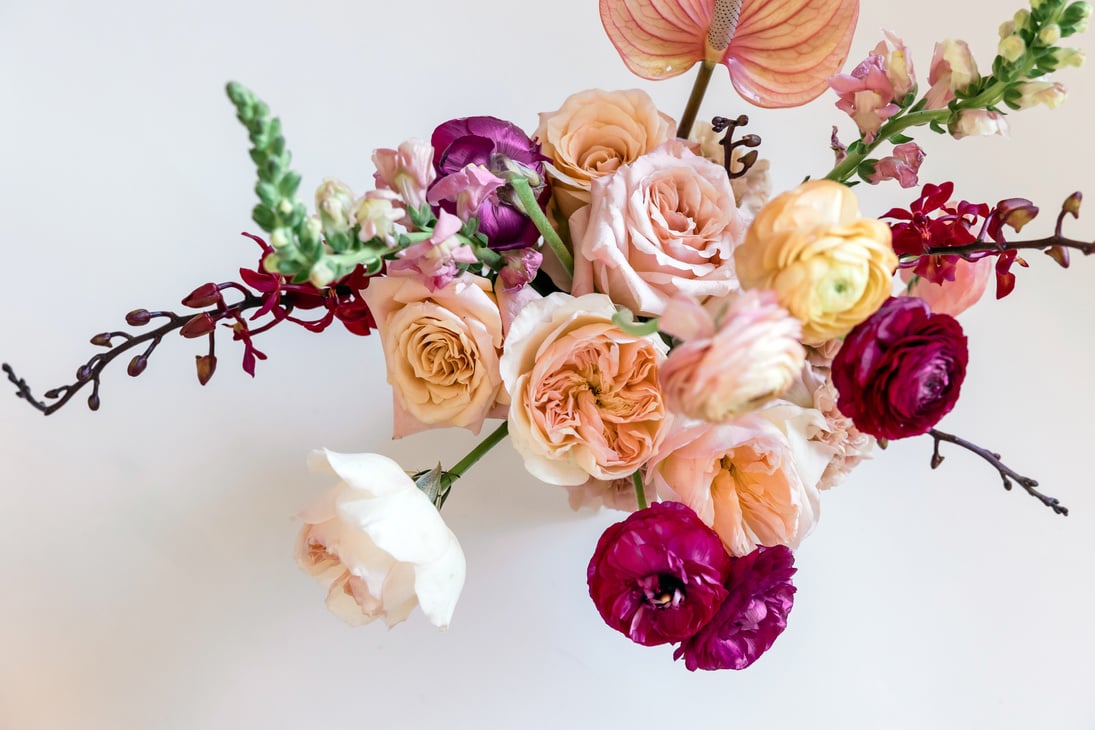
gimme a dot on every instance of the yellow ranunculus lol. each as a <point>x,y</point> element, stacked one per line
<point>829,267</point>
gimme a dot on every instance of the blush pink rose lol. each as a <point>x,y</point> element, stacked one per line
<point>664,224</point>
<point>585,400</point>
<point>733,362</point>
<point>953,297</point>
<point>753,480</point>
<point>441,348</point>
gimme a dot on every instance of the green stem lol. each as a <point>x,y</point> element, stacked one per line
<point>895,125</point>
<point>479,451</point>
<point>692,108</point>
<point>640,494</point>
<point>521,186</point>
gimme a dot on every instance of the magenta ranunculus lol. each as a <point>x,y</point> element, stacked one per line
<point>901,370</point>
<point>753,615</point>
<point>491,142</point>
<point>657,577</point>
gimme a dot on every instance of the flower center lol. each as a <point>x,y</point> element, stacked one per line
<point>662,590</point>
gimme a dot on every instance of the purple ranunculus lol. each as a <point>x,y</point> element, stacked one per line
<point>751,618</point>
<point>657,577</point>
<point>491,142</point>
<point>901,370</point>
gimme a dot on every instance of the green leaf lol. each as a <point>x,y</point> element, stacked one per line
<point>901,138</point>
<point>289,184</point>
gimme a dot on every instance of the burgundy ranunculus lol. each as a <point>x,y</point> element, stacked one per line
<point>657,577</point>
<point>491,142</point>
<point>901,370</point>
<point>753,615</point>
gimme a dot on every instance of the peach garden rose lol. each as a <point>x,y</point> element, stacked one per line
<point>441,348</point>
<point>594,133</point>
<point>584,394</point>
<point>662,225</point>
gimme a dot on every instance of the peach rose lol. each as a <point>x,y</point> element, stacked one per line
<point>378,545</point>
<point>662,225</point>
<point>732,363</point>
<point>953,297</point>
<point>753,480</point>
<point>594,133</point>
<point>584,394</point>
<point>441,349</point>
<point>829,267</point>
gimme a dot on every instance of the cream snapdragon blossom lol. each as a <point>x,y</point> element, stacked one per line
<point>378,545</point>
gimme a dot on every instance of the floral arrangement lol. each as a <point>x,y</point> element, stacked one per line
<point>656,332</point>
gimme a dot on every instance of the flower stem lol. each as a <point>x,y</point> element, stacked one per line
<point>692,108</point>
<point>894,126</point>
<point>479,451</point>
<point>532,209</point>
<point>640,493</point>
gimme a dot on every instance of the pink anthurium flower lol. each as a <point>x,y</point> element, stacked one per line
<point>779,52</point>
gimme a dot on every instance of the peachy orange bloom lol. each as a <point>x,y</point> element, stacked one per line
<point>780,52</point>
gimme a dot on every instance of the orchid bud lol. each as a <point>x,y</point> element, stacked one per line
<point>1072,204</point>
<point>198,326</point>
<point>137,366</point>
<point>1016,212</point>
<point>206,366</point>
<point>205,295</point>
<point>138,317</point>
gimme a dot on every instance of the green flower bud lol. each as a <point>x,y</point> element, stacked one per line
<point>1050,34</point>
<point>1022,17</point>
<point>1012,48</point>
<point>1068,57</point>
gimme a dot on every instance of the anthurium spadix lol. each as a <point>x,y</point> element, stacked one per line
<point>779,52</point>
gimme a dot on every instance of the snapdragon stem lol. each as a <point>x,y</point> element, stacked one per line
<point>479,451</point>
<point>692,107</point>
<point>894,126</point>
<point>640,493</point>
<point>532,210</point>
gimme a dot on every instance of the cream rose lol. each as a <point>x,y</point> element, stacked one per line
<point>442,349</point>
<point>829,267</point>
<point>378,545</point>
<point>753,480</point>
<point>592,134</point>
<point>664,224</point>
<point>584,394</point>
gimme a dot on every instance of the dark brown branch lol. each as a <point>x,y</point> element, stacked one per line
<point>91,371</point>
<point>1040,244</point>
<point>729,144</point>
<point>1009,475</point>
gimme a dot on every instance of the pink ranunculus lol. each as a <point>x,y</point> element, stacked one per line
<point>866,95</point>
<point>733,363</point>
<point>441,349</point>
<point>754,479</point>
<point>585,400</point>
<point>664,224</point>
<point>407,170</point>
<point>903,165</point>
<point>956,295</point>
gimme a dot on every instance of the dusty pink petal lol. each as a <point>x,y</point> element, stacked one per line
<point>954,297</point>
<point>780,55</point>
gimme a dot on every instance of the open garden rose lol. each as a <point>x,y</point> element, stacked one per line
<point>901,371</point>
<point>657,577</point>
<point>441,348</point>
<point>754,479</point>
<point>491,143</point>
<point>662,225</point>
<point>829,267</point>
<point>759,597</point>
<point>378,545</point>
<point>585,400</point>
<point>592,135</point>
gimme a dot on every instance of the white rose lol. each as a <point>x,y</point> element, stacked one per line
<point>378,545</point>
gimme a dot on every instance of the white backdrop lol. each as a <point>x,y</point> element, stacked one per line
<point>146,579</point>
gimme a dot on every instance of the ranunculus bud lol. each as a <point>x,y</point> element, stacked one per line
<point>657,577</point>
<point>901,371</point>
<point>750,354</point>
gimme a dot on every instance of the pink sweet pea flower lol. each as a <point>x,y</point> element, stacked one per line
<point>468,188</point>
<point>866,95</point>
<point>436,259</point>
<point>779,52</point>
<point>903,165</point>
